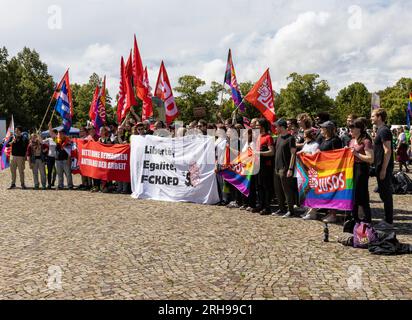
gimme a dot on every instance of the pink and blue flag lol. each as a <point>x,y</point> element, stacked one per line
<point>230,79</point>
<point>63,108</point>
<point>6,151</point>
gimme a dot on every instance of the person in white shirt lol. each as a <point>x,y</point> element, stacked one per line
<point>51,158</point>
<point>310,146</point>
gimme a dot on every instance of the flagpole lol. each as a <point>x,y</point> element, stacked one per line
<point>47,111</point>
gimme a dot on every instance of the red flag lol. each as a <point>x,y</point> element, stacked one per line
<point>130,98</point>
<point>261,96</point>
<point>56,93</point>
<point>147,110</point>
<point>138,73</point>
<point>164,92</point>
<point>92,113</point>
<point>102,105</point>
<point>122,93</point>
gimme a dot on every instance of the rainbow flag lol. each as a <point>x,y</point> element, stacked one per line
<point>230,79</point>
<point>325,179</point>
<point>239,171</point>
<point>6,151</point>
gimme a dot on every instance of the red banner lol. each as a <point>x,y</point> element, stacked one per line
<point>103,161</point>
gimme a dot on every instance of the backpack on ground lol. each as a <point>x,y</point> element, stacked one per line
<point>402,183</point>
<point>363,235</point>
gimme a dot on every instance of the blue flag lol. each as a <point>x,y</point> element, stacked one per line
<point>63,108</point>
<point>409,112</point>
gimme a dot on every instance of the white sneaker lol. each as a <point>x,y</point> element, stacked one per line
<point>330,218</point>
<point>310,216</point>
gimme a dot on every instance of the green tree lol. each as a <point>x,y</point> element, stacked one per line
<point>353,99</point>
<point>190,97</point>
<point>395,100</point>
<point>82,98</point>
<point>304,93</point>
<point>26,87</point>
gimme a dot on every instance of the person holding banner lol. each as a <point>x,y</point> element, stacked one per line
<point>310,146</point>
<point>362,149</point>
<point>329,141</point>
<point>105,139</point>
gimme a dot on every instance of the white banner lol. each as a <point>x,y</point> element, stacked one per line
<point>178,169</point>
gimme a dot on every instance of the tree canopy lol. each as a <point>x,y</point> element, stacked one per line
<point>26,88</point>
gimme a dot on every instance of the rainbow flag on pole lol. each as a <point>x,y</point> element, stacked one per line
<point>239,171</point>
<point>230,79</point>
<point>325,179</point>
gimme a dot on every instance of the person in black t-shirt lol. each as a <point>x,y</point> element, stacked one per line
<point>285,156</point>
<point>330,140</point>
<point>18,156</point>
<point>384,163</point>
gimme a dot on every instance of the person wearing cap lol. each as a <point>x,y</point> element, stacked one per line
<point>285,157</point>
<point>321,118</point>
<point>329,142</point>
<point>362,149</point>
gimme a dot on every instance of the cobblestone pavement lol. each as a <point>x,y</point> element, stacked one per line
<point>111,246</point>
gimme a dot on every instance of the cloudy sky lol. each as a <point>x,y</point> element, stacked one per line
<point>343,41</point>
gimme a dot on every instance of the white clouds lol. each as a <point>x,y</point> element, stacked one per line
<point>193,38</point>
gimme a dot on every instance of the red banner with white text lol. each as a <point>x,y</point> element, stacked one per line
<point>108,162</point>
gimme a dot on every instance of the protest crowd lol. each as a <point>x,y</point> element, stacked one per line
<point>374,150</point>
<point>305,167</point>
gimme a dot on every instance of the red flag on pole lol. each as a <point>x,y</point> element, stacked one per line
<point>147,110</point>
<point>138,73</point>
<point>122,93</point>
<point>130,97</point>
<point>261,96</point>
<point>92,113</point>
<point>163,91</point>
<point>56,93</point>
<point>102,105</point>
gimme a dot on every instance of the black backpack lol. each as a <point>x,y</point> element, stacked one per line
<point>402,184</point>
